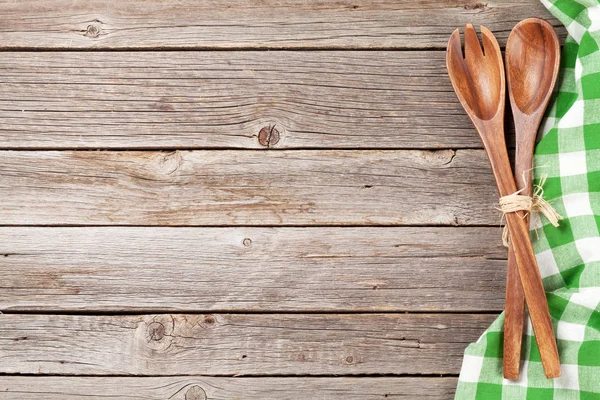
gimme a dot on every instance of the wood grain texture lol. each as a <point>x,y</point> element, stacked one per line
<point>153,100</point>
<point>247,188</point>
<point>237,344</point>
<point>248,274</point>
<point>251,269</point>
<point>221,388</point>
<point>241,24</point>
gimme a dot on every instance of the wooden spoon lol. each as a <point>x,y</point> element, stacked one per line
<point>532,61</point>
<point>478,80</point>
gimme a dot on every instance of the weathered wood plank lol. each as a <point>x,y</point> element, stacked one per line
<point>201,388</point>
<point>237,344</point>
<point>224,99</point>
<point>251,269</point>
<point>262,24</point>
<point>247,188</point>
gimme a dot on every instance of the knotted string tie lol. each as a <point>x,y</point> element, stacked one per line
<point>530,204</point>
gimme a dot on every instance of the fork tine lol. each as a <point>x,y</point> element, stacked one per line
<point>454,48</point>
<point>455,60</point>
<point>490,44</point>
<point>454,43</point>
<point>472,46</point>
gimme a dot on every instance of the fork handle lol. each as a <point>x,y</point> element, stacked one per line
<point>492,134</point>
<point>514,312</point>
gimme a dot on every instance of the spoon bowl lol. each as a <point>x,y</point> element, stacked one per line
<point>532,61</point>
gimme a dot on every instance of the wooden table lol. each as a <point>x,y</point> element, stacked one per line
<point>274,199</point>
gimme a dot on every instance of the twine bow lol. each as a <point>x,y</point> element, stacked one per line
<point>535,203</point>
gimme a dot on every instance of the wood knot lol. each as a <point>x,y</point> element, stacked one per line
<point>156,331</point>
<point>247,242</point>
<point>171,162</point>
<point>163,104</point>
<point>93,30</point>
<point>195,393</point>
<point>349,360</point>
<point>209,319</point>
<point>476,6</point>
<point>269,136</point>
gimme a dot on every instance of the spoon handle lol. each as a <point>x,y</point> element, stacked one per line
<point>529,273</point>
<point>515,298</point>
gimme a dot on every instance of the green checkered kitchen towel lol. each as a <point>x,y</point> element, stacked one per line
<point>568,256</point>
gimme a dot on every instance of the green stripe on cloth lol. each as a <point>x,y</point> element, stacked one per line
<point>568,152</point>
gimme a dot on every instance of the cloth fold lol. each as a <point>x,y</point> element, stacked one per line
<point>568,152</point>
